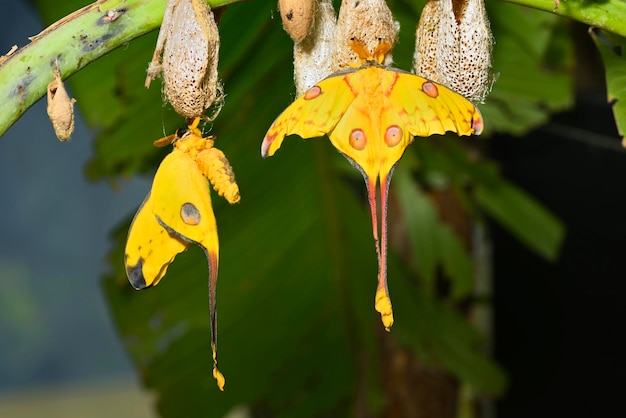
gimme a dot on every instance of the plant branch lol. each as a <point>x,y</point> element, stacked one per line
<point>609,15</point>
<point>72,43</point>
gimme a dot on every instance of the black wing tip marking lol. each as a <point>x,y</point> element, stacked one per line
<point>135,275</point>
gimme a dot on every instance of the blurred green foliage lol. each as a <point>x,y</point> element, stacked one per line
<point>611,47</point>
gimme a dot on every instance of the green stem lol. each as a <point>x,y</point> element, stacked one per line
<point>609,15</point>
<point>73,42</point>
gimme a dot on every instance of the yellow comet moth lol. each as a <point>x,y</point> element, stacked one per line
<point>178,212</point>
<point>371,114</point>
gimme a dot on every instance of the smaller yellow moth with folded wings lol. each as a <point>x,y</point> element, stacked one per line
<point>371,114</point>
<point>178,212</point>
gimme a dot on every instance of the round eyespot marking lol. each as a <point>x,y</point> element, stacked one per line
<point>190,214</point>
<point>430,89</point>
<point>358,139</point>
<point>312,93</point>
<point>393,135</point>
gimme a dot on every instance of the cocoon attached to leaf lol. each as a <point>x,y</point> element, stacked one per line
<point>369,21</point>
<point>454,45</point>
<point>60,108</point>
<point>312,56</point>
<point>298,17</point>
<point>187,54</point>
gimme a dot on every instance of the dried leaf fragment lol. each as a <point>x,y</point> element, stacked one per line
<point>3,58</point>
<point>60,107</point>
<point>187,54</point>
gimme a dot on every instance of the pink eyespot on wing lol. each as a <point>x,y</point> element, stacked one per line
<point>312,93</point>
<point>477,122</point>
<point>393,135</point>
<point>358,141</point>
<point>190,214</point>
<point>267,142</point>
<point>430,89</point>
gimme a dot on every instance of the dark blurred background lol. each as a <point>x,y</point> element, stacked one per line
<point>558,327</point>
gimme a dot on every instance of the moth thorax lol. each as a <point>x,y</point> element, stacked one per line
<point>454,47</point>
<point>369,21</point>
<point>312,55</point>
<point>193,143</point>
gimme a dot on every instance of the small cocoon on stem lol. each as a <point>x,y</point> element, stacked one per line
<point>298,17</point>
<point>60,107</point>
<point>187,54</point>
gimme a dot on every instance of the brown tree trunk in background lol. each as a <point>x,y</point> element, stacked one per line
<point>412,389</point>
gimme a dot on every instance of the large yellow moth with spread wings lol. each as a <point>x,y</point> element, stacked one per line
<point>178,212</point>
<point>371,114</point>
